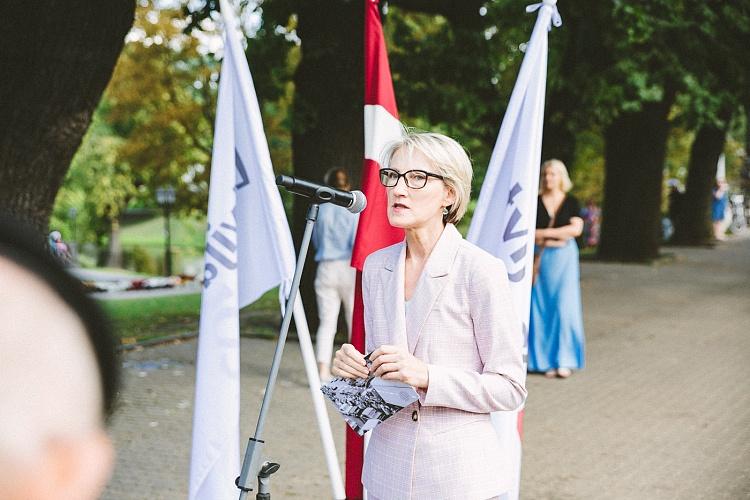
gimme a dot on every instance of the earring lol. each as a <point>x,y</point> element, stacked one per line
<point>445,210</point>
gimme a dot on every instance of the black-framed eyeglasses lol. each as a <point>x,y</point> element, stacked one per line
<point>415,179</point>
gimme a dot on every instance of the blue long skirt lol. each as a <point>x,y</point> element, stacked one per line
<point>556,325</point>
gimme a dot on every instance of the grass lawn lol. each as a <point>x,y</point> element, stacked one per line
<point>187,233</point>
<point>149,318</point>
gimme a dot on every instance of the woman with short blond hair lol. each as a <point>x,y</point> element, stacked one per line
<point>439,317</point>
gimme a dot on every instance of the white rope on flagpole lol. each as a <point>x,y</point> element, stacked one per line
<point>555,18</point>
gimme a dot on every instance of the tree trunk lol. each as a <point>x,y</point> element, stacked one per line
<point>56,58</point>
<point>558,141</point>
<point>693,222</point>
<point>328,116</point>
<point>114,247</point>
<point>635,149</point>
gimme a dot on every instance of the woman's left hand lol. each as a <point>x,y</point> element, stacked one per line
<point>392,362</point>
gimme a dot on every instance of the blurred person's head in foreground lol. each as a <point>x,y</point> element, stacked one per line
<point>58,377</point>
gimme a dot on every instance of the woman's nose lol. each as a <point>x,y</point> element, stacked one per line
<point>400,187</point>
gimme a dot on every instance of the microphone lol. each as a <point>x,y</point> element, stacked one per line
<point>354,201</point>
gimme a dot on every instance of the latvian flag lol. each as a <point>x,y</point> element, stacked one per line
<point>374,231</point>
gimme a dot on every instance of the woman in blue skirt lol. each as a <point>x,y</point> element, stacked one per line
<point>719,203</point>
<point>556,342</point>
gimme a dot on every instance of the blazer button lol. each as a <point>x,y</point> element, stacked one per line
<point>415,415</point>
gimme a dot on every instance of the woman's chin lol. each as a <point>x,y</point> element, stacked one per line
<point>399,221</point>
<point>398,224</point>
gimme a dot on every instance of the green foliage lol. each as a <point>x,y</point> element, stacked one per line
<point>96,188</point>
<point>623,54</point>
<point>736,151</point>
<point>587,173</point>
<point>678,153</point>
<point>273,53</point>
<point>141,260</point>
<point>162,100</point>
<point>164,92</point>
<point>154,125</point>
<point>716,80</point>
<point>451,75</point>
<point>453,71</point>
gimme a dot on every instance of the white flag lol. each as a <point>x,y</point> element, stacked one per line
<point>505,217</point>
<point>249,250</point>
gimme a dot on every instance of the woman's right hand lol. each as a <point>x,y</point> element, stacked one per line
<point>539,236</point>
<point>348,362</point>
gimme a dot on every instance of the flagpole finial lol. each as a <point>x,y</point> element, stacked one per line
<point>555,19</point>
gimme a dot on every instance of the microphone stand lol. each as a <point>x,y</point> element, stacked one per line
<point>251,465</point>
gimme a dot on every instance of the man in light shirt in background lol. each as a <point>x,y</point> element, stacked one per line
<point>333,239</point>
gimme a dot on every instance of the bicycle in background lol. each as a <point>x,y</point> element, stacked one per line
<point>738,222</point>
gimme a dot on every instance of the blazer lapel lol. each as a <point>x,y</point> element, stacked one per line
<point>431,283</point>
<point>393,286</point>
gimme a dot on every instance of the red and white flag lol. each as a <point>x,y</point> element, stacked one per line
<point>374,232</point>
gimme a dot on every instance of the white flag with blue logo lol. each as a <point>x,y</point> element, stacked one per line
<point>249,251</point>
<point>505,217</point>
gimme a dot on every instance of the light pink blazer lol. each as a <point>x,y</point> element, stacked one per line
<point>462,324</point>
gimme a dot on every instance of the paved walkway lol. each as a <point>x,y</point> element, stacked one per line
<point>662,410</point>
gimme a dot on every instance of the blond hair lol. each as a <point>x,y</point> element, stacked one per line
<point>449,159</point>
<point>559,166</point>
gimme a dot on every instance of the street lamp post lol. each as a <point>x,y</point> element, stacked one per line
<point>73,244</point>
<point>165,197</point>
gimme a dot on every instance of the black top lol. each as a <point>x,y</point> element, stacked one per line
<point>569,208</point>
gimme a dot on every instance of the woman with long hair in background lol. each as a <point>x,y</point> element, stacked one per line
<point>556,341</point>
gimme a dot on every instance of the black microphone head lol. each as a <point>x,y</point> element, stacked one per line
<point>358,203</point>
<point>284,180</point>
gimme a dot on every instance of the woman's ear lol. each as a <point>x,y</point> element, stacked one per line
<point>450,197</point>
